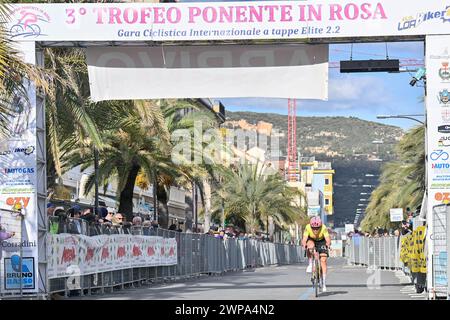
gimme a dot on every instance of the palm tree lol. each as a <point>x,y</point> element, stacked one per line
<point>201,173</point>
<point>402,182</point>
<point>69,110</point>
<point>13,72</point>
<point>141,143</point>
<point>251,196</point>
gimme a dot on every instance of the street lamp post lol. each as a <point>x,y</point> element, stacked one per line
<point>403,116</point>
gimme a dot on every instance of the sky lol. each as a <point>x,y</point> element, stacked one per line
<point>363,95</point>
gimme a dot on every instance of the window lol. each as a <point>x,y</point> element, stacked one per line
<point>327,181</point>
<point>327,202</point>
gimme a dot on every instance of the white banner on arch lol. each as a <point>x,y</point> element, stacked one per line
<point>273,71</point>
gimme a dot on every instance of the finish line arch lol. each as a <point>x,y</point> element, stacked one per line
<point>35,26</point>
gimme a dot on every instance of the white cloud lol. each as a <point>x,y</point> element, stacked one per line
<point>345,93</point>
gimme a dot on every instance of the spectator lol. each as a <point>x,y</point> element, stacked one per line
<point>137,221</point>
<point>87,215</point>
<point>126,227</point>
<point>102,212</point>
<point>136,227</point>
<point>50,209</point>
<point>173,227</point>
<point>406,228</point>
<point>410,219</point>
<point>5,235</point>
<point>108,217</point>
<point>117,220</point>
<point>417,213</point>
<point>106,228</point>
<point>73,209</point>
<point>75,223</point>
<point>408,212</point>
<point>59,222</point>
<point>146,227</point>
<point>52,222</point>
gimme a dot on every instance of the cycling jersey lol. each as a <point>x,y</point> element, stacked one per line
<point>321,235</point>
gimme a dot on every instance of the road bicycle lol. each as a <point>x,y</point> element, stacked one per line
<point>316,275</point>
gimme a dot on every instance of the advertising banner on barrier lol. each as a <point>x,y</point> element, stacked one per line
<point>273,71</point>
<point>103,253</point>
<point>228,20</point>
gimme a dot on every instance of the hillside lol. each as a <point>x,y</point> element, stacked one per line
<point>331,137</point>
<point>346,142</point>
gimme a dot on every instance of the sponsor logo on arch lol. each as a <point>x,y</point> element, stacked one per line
<point>410,22</point>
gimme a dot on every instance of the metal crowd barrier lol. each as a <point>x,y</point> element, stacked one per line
<point>198,255</point>
<point>382,252</point>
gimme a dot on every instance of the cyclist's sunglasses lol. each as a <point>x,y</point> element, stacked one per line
<point>315,228</point>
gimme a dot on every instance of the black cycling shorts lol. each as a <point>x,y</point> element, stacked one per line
<point>321,246</point>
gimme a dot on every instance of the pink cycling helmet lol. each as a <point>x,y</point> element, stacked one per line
<point>315,222</point>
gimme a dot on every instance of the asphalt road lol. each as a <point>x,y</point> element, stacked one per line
<point>344,282</point>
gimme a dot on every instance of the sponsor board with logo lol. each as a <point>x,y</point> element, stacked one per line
<point>439,154</point>
<point>437,50</point>
<point>444,141</point>
<point>444,128</point>
<point>18,187</point>
<point>441,197</point>
<point>16,270</point>
<point>444,72</point>
<point>445,115</point>
<point>107,253</point>
<point>443,98</point>
<point>440,185</point>
<point>18,150</point>
<point>227,21</point>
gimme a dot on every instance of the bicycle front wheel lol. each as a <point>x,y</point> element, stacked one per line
<point>316,278</point>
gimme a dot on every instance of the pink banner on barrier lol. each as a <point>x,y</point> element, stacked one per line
<point>107,253</point>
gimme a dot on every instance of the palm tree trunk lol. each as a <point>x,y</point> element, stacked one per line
<point>194,207</point>
<point>126,196</point>
<point>155,197</point>
<point>206,196</point>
